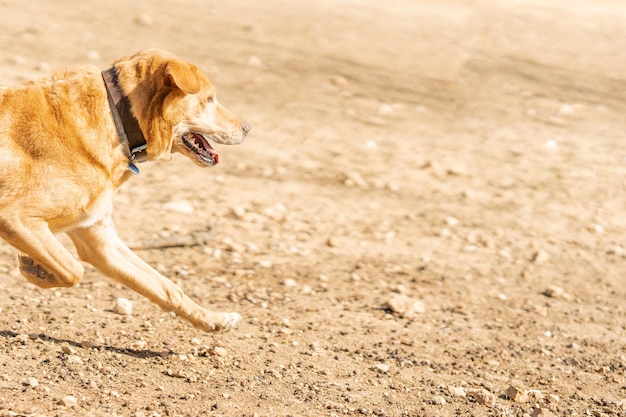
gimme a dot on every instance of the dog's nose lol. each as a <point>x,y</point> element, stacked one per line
<point>246,128</point>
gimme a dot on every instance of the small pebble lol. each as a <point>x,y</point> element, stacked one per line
<point>553,398</point>
<point>33,382</point>
<point>68,401</point>
<point>595,228</point>
<point>68,350</point>
<point>265,263</point>
<point>554,291</point>
<point>456,391</point>
<point>385,110</point>
<point>542,412</point>
<point>181,206</point>
<point>516,394</point>
<point>439,400</point>
<point>18,60</point>
<point>43,67</point>
<point>75,359</point>
<point>540,257</point>
<point>239,212</point>
<point>255,62</point>
<point>457,170</point>
<point>124,307</point>
<point>405,306</point>
<point>371,145</point>
<point>615,250</point>
<point>288,282</point>
<point>338,81</point>
<point>452,221</point>
<point>382,368</point>
<point>94,56</point>
<point>482,396</point>
<point>144,19</point>
<point>552,145</point>
<point>535,395</point>
<point>566,109</point>
<point>218,351</point>
<point>355,179</point>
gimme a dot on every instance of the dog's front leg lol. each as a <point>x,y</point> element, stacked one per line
<point>100,246</point>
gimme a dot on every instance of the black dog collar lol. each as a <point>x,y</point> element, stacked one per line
<point>128,130</point>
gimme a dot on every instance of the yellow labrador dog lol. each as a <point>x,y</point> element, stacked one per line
<point>67,143</point>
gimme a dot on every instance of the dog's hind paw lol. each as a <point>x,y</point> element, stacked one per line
<point>34,272</point>
<point>42,277</point>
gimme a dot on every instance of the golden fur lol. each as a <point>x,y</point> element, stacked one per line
<point>61,163</point>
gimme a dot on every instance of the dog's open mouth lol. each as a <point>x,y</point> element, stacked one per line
<point>199,145</point>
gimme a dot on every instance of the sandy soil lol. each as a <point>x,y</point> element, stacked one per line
<point>429,211</point>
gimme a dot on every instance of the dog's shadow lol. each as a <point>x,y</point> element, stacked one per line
<point>140,354</point>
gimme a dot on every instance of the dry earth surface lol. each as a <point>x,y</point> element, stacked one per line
<point>426,220</point>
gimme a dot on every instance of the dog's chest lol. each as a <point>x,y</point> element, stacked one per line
<point>97,209</point>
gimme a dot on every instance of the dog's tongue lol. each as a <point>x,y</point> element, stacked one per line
<point>204,144</point>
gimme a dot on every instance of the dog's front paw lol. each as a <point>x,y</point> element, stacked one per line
<point>214,321</point>
<point>230,321</point>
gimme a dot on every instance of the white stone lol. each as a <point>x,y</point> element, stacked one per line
<point>288,282</point>
<point>181,206</point>
<point>385,110</point>
<point>264,263</point>
<point>94,56</point>
<point>439,400</point>
<point>552,145</point>
<point>68,401</point>
<point>124,307</point>
<point>482,396</point>
<point>371,145</point>
<point>382,368</point>
<point>554,291</point>
<point>255,62</point>
<point>566,110</point>
<point>540,257</point>
<point>405,306</point>
<point>144,19</point>
<point>452,221</point>
<point>219,351</point>
<point>456,391</point>
<point>354,178</point>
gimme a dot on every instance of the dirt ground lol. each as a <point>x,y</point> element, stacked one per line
<point>427,218</point>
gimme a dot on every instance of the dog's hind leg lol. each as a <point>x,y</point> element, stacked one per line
<point>101,246</point>
<point>43,259</point>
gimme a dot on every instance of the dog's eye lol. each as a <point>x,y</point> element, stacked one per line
<point>210,99</point>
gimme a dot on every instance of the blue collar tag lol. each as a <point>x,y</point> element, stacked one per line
<point>133,168</point>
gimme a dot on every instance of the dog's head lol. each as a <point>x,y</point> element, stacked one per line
<point>176,107</point>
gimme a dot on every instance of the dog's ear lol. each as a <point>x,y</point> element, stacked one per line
<point>183,75</point>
